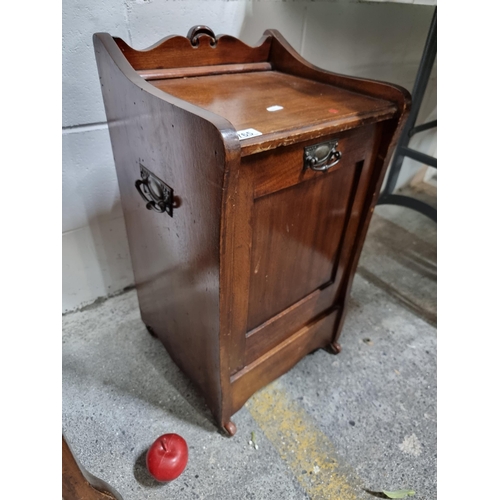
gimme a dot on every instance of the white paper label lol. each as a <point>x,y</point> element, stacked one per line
<point>247,133</point>
<point>274,108</point>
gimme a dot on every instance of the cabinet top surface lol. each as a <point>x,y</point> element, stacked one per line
<point>280,106</point>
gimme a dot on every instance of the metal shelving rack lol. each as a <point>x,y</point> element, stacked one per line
<point>402,150</point>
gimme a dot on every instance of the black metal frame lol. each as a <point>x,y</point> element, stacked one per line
<point>402,149</point>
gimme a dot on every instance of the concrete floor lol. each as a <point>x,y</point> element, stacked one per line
<point>334,427</point>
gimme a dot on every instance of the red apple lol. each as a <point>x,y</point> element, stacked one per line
<point>167,457</point>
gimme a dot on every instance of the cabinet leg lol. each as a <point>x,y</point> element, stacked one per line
<point>335,347</point>
<point>151,332</point>
<point>230,428</point>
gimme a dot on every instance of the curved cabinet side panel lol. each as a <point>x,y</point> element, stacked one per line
<point>286,59</point>
<point>175,259</point>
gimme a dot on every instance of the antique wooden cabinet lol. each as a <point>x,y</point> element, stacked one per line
<point>248,178</point>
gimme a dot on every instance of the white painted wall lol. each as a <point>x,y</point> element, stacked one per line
<point>377,40</point>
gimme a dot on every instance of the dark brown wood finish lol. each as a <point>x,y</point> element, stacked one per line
<point>296,238</point>
<point>175,259</point>
<point>79,484</point>
<point>284,167</point>
<point>279,360</point>
<point>281,326</point>
<point>178,52</point>
<point>285,58</point>
<point>236,246</point>
<point>219,69</point>
<point>254,268</point>
<point>310,109</point>
<point>358,147</point>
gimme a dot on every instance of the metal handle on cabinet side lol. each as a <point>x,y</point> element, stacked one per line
<point>318,156</point>
<point>158,195</point>
<point>196,31</point>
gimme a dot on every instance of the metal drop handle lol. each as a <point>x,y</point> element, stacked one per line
<point>196,31</point>
<point>158,195</point>
<point>319,157</point>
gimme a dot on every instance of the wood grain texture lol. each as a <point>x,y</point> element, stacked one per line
<point>216,69</point>
<point>236,247</point>
<point>282,358</point>
<point>296,236</point>
<point>310,109</point>
<point>79,484</point>
<point>255,267</point>
<point>177,52</point>
<point>283,167</point>
<point>299,231</point>
<point>283,325</point>
<point>286,59</point>
<point>175,259</point>
<point>386,142</point>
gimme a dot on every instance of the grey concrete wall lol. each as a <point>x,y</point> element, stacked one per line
<point>376,40</point>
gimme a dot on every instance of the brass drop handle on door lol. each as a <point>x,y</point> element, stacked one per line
<point>322,157</point>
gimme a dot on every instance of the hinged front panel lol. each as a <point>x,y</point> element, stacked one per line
<point>303,223</point>
<point>296,239</point>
